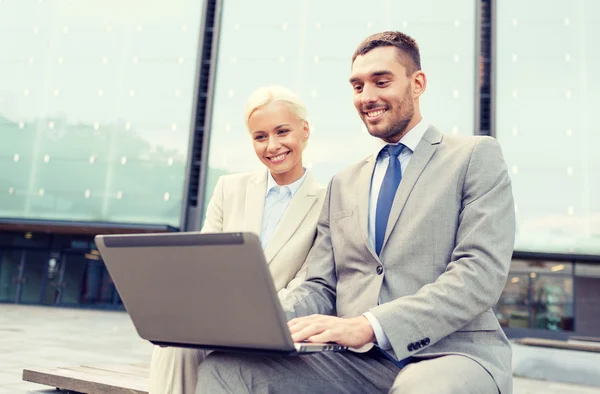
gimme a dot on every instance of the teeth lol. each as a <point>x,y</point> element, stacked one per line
<point>278,158</point>
<point>375,113</point>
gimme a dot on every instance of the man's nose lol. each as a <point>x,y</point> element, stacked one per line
<point>368,96</point>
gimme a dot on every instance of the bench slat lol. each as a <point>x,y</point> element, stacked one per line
<point>125,369</point>
<point>118,379</point>
<point>552,343</point>
<point>585,339</point>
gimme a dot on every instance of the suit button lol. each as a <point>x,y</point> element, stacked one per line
<point>427,341</point>
<point>379,270</point>
<point>410,347</point>
<point>417,346</point>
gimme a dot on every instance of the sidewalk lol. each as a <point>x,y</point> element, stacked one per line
<point>33,336</point>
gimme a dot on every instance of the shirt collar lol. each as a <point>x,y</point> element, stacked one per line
<point>411,139</point>
<point>292,186</point>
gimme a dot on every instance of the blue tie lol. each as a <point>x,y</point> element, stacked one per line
<point>391,180</point>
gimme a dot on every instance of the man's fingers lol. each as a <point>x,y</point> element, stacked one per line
<point>310,318</point>
<point>307,331</point>
<point>300,324</point>
<point>324,337</point>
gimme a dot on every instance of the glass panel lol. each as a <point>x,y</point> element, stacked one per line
<point>512,310</point>
<point>108,291</point>
<point>540,267</point>
<point>34,276</point>
<point>10,261</point>
<point>553,303</point>
<point>65,279</point>
<point>25,240</point>
<point>72,278</point>
<point>307,46</point>
<point>93,281</point>
<point>52,279</point>
<point>95,108</point>
<point>545,103</point>
<point>587,270</point>
<point>588,305</point>
<point>538,294</point>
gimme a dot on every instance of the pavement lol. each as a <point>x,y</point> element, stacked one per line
<point>39,336</point>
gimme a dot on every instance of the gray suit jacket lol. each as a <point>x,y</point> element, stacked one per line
<point>445,257</point>
<point>237,204</point>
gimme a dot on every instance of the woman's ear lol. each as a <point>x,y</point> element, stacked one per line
<point>306,131</point>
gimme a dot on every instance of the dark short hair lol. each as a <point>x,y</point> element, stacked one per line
<point>408,50</point>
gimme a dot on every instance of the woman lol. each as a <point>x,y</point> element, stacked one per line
<point>281,204</point>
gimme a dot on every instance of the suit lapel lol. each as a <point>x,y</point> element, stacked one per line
<point>301,203</point>
<point>421,156</point>
<point>255,202</point>
<point>364,190</point>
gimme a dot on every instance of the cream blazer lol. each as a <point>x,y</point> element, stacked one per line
<point>238,203</point>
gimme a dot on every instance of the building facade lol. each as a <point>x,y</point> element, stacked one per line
<point>122,121</point>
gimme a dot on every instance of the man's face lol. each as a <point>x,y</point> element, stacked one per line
<point>383,93</point>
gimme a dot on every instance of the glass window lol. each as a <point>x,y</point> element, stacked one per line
<point>538,294</point>
<point>553,303</point>
<point>541,266</point>
<point>64,281</point>
<point>546,96</point>
<point>587,270</point>
<point>307,46</point>
<point>10,264</point>
<point>34,276</point>
<point>512,309</point>
<point>95,108</point>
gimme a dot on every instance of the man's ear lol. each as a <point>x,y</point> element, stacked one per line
<point>419,83</point>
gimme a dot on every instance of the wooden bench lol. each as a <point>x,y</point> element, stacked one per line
<point>585,339</point>
<point>133,378</point>
<point>101,379</point>
<point>571,344</point>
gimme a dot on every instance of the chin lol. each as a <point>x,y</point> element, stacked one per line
<point>375,132</point>
<point>275,169</point>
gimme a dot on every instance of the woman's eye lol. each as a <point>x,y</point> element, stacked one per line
<point>283,131</point>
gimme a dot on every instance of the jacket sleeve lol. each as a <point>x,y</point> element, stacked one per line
<point>316,295</point>
<point>213,223</point>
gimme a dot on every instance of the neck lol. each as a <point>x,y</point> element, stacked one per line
<point>413,122</point>
<point>289,177</point>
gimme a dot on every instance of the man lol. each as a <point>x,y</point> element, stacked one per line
<point>413,250</point>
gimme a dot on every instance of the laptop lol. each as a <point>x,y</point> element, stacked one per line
<point>209,291</point>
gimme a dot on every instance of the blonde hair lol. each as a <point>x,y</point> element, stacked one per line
<point>267,94</point>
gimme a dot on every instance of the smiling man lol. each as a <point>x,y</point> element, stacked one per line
<point>413,250</point>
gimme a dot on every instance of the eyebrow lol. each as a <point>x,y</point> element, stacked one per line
<point>375,74</point>
<point>276,128</point>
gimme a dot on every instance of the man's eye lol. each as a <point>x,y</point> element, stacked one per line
<point>382,83</point>
<point>357,88</point>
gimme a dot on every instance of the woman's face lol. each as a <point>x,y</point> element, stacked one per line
<point>279,137</point>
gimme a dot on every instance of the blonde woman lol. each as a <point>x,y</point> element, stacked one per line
<point>280,203</point>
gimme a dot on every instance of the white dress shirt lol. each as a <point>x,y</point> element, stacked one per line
<point>277,199</point>
<point>410,140</point>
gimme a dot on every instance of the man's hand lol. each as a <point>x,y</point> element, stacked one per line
<point>354,332</point>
